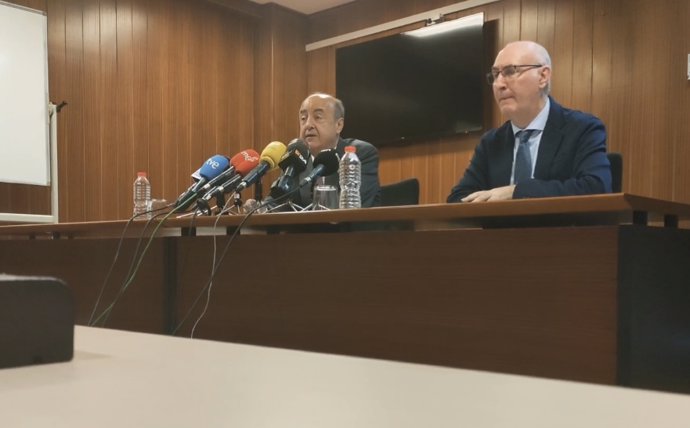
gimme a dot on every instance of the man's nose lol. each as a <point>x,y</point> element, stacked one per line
<point>499,81</point>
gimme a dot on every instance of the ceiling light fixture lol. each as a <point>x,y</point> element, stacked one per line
<point>439,25</point>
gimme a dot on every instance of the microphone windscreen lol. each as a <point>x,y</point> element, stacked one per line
<point>214,166</point>
<point>247,160</point>
<point>298,145</point>
<point>238,158</point>
<point>329,159</point>
<point>296,156</point>
<point>272,153</point>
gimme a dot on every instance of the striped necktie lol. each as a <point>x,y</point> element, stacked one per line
<point>523,158</point>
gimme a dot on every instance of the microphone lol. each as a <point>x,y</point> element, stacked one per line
<point>213,167</point>
<point>246,161</point>
<point>268,160</point>
<point>325,163</point>
<point>292,163</point>
<point>239,161</point>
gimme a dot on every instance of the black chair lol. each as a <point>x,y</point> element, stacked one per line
<point>405,192</point>
<point>616,160</point>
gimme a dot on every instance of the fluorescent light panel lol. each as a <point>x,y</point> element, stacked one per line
<point>463,5</point>
<point>442,27</point>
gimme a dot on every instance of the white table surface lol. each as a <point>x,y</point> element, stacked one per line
<point>124,379</point>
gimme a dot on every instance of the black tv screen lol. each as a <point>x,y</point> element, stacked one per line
<point>402,87</point>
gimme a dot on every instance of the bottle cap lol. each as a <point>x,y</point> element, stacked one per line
<point>350,149</point>
<point>141,174</point>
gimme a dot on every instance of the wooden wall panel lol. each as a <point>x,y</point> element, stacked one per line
<point>623,61</point>
<point>281,83</point>
<point>662,61</point>
<point>125,107</point>
<point>561,53</point>
<point>681,125</point>
<point>92,115</point>
<point>110,77</point>
<point>283,75</point>
<point>71,120</point>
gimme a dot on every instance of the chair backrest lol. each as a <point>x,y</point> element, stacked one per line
<point>616,160</point>
<point>405,192</point>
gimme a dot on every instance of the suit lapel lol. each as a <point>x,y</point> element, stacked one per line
<point>504,157</point>
<point>550,141</point>
<point>305,192</point>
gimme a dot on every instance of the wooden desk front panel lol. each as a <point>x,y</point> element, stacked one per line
<point>83,265</point>
<point>529,301</point>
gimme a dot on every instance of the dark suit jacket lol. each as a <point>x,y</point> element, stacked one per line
<point>370,188</point>
<point>571,160</point>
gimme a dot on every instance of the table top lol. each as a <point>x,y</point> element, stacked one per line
<point>605,209</point>
<point>134,379</point>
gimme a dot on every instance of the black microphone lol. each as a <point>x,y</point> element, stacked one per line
<point>270,157</point>
<point>293,163</point>
<point>325,163</point>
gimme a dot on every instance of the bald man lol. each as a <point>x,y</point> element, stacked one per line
<point>543,149</point>
<point>321,120</point>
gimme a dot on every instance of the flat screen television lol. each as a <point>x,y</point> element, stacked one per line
<point>404,88</point>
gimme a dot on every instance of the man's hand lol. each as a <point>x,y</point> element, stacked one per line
<point>496,194</point>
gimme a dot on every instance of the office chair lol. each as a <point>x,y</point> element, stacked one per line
<point>405,192</point>
<point>616,160</point>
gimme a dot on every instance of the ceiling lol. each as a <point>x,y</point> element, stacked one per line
<point>306,7</point>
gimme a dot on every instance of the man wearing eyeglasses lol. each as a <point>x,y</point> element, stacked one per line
<point>543,149</point>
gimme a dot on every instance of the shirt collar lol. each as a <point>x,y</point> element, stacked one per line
<point>539,122</point>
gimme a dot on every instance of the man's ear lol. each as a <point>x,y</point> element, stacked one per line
<point>544,76</point>
<point>339,124</point>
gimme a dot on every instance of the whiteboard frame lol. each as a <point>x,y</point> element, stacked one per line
<point>54,195</point>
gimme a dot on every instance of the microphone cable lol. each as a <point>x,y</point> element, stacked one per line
<point>216,263</point>
<point>117,255</point>
<point>105,314</point>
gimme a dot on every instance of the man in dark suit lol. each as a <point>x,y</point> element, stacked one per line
<point>544,149</point>
<point>321,118</point>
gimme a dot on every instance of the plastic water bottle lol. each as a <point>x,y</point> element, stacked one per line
<point>142,196</point>
<point>350,172</point>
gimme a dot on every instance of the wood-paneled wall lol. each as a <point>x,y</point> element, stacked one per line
<point>161,85</point>
<point>624,61</point>
<point>281,78</point>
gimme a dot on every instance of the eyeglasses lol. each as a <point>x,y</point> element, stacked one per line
<point>509,71</point>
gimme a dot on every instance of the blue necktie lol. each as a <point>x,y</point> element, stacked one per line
<point>523,159</point>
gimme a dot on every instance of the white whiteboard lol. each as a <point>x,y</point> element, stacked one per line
<point>24,121</point>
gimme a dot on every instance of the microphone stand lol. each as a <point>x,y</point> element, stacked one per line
<point>258,191</point>
<point>279,208</point>
<point>278,191</point>
<point>220,201</point>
